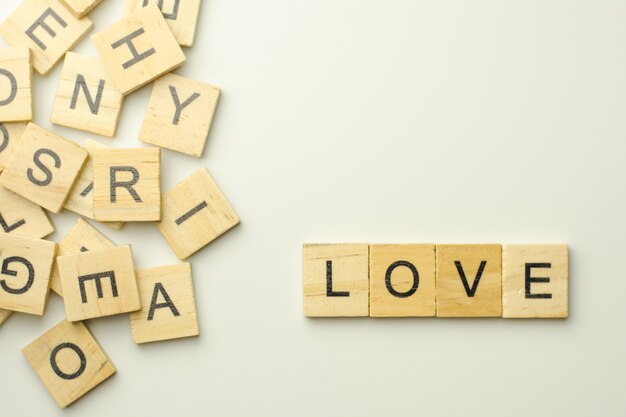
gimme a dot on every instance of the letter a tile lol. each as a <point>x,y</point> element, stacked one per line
<point>15,86</point>
<point>68,361</point>
<point>98,283</point>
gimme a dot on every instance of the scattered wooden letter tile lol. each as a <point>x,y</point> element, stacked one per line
<point>181,16</point>
<point>469,280</point>
<point>46,27</point>
<point>4,315</point>
<point>22,217</point>
<point>98,283</point>
<point>402,280</point>
<point>80,200</point>
<point>195,212</point>
<point>86,99</point>
<point>68,361</point>
<point>25,273</point>
<point>44,168</point>
<point>81,8</point>
<point>336,279</point>
<point>138,49</point>
<point>179,114</point>
<point>15,85</point>
<point>534,281</point>
<point>168,308</point>
<point>127,184</point>
<point>10,136</point>
<point>82,237</point>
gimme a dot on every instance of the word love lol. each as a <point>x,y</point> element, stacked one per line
<point>426,280</point>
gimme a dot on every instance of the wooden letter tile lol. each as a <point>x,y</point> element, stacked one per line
<point>195,213</point>
<point>22,217</point>
<point>10,137</point>
<point>402,280</point>
<point>82,237</point>
<point>68,361</point>
<point>87,99</point>
<point>25,273</point>
<point>127,184</point>
<point>168,307</point>
<point>44,168</point>
<point>98,283</point>
<point>180,113</point>
<point>534,281</point>
<point>138,49</point>
<point>336,279</point>
<point>81,8</point>
<point>46,27</point>
<point>15,85</point>
<point>181,16</point>
<point>469,281</point>
<point>4,315</point>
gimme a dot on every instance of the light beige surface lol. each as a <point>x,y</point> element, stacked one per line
<point>516,302</point>
<point>195,213</point>
<point>168,292</point>
<point>19,102</point>
<point>350,276</point>
<point>179,115</point>
<point>47,48</point>
<point>145,203</point>
<point>80,8</point>
<point>409,302</point>
<point>97,366</point>
<point>118,261</point>
<point>59,179</point>
<point>19,254</point>
<point>22,217</point>
<point>155,44</point>
<point>82,237</point>
<point>96,110</point>
<point>452,298</point>
<point>181,16</point>
<point>10,136</point>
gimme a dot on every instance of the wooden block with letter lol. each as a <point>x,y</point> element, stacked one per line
<point>80,200</point>
<point>469,280</point>
<point>195,213</point>
<point>535,281</point>
<point>44,168</point>
<point>336,279</point>
<point>86,99</point>
<point>10,137</point>
<point>68,361</point>
<point>81,8</point>
<point>98,283</point>
<point>402,280</point>
<point>127,184</point>
<point>46,27</point>
<point>168,308</point>
<point>138,49</point>
<point>25,273</point>
<point>180,113</point>
<point>181,16</point>
<point>82,237</point>
<point>22,217</point>
<point>16,102</point>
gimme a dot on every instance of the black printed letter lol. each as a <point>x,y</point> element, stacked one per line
<point>94,106</point>
<point>128,40</point>
<point>12,90</point>
<point>470,291</point>
<point>42,22</point>
<point>416,279</point>
<point>530,280</point>
<point>171,16</point>
<point>124,184</point>
<point>158,288</point>
<point>12,273</point>
<point>329,283</point>
<point>179,106</point>
<point>81,357</point>
<point>42,167</point>
<point>98,279</point>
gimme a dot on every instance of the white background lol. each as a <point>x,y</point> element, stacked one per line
<point>378,121</point>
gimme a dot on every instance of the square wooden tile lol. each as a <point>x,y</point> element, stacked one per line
<point>127,184</point>
<point>68,361</point>
<point>469,280</point>
<point>168,307</point>
<point>402,280</point>
<point>336,279</point>
<point>86,99</point>
<point>179,115</point>
<point>535,281</point>
<point>44,168</point>
<point>25,273</point>
<point>138,49</point>
<point>4,315</point>
<point>46,27</point>
<point>98,283</point>
<point>10,137</point>
<point>181,16</point>
<point>195,213</point>
<point>81,8</point>
<point>19,216</point>
<point>16,103</point>
<point>82,237</point>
